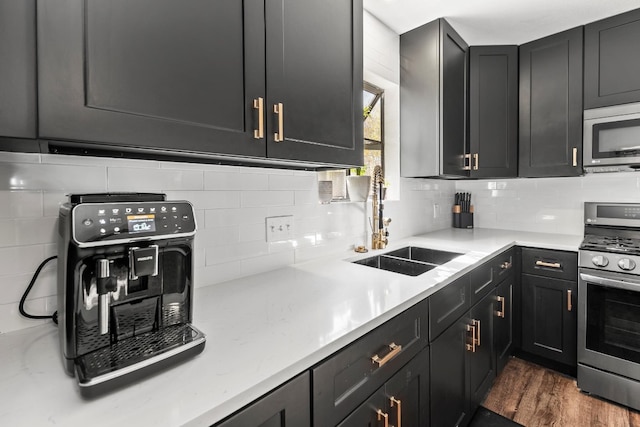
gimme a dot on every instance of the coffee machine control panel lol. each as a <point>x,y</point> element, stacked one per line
<point>129,221</point>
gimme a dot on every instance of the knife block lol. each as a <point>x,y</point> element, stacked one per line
<point>462,219</point>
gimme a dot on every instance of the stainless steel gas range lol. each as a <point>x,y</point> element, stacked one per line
<point>609,303</point>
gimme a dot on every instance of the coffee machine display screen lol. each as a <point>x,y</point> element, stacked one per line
<point>141,223</point>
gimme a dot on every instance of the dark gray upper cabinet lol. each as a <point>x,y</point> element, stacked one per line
<point>493,111</point>
<point>611,61</point>
<point>189,77</point>
<point>433,101</point>
<point>315,71</point>
<point>551,106</point>
<point>18,68</point>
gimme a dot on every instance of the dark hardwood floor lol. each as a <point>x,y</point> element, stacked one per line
<point>535,396</point>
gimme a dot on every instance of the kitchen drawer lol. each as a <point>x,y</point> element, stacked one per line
<point>485,277</point>
<point>503,265</point>
<point>447,305</point>
<point>348,378</point>
<point>549,263</point>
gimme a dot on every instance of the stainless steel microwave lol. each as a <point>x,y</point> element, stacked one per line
<point>611,139</point>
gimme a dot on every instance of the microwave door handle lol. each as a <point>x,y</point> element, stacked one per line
<point>631,285</point>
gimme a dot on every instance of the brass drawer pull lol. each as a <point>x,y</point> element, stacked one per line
<point>575,157</point>
<point>501,312</point>
<point>569,305</point>
<point>395,349</point>
<point>541,263</point>
<point>472,347</point>
<point>278,109</point>
<point>477,323</point>
<point>475,164</point>
<point>506,265</point>
<point>258,104</point>
<point>397,402</point>
<point>385,416</point>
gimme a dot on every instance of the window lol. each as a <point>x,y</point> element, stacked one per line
<point>373,113</point>
<point>373,120</point>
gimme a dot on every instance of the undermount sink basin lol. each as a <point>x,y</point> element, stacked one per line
<point>411,260</point>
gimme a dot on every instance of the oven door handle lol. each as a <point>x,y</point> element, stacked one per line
<point>631,285</point>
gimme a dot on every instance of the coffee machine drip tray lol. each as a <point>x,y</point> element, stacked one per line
<point>135,357</point>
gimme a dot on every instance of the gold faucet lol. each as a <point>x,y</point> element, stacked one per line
<point>380,223</point>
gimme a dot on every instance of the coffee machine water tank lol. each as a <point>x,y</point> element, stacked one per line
<point>125,287</point>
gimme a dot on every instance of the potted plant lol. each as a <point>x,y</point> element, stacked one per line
<point>358,185</point>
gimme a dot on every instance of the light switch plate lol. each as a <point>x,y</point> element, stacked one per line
<point>279,228</point>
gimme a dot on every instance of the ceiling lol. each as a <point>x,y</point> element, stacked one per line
<point>482,22</point>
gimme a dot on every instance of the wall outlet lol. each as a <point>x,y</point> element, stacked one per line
<point>279,228</point>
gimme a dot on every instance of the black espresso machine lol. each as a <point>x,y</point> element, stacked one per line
<point>125,287</point>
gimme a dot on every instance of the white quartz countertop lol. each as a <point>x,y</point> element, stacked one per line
<point>261,331</point>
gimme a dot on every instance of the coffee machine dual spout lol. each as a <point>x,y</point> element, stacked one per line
<point>125,287</point>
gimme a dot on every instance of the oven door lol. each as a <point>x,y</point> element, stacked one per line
<point>609,322</point>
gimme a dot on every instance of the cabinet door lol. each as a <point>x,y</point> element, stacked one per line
<point>493,111</point>
<point>481,361</point>
<point>177,76</point>
<point>287,406</point>
<point>453,100</point>
<point>503,323</point>
<point>551,106</point>
<point>611,62</point>
<point>549,318</point>
<point>448,375</point>
<point>371,413</point>
<point>315,71</point>
<point>18,68</point>
<point>407,393</point>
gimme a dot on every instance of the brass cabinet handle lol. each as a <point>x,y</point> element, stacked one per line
<point>501,312</point>
<point>385,416</point>
<point>575,156</point>
<point>399,403</point>
<point>506,265</point>
<point>477,323</point>
<point>569,305</point>
<point>475,161</point>
<point>258,104</point>
<point>466,166</point>
<point>472,347</point>
<point>278,109</point>
<point>540,263</point>
<point>395,349</point>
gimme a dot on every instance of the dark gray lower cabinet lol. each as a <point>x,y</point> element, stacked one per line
<point>503,323</point>
<point>462,366</point>
<point>403,400</point>
<point>449,397</point>
<point>549,296</point>
<point>549,318</point>
<point>482,357</point>
<point>287,406</point>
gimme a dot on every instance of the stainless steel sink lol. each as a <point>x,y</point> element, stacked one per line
<point>431,256</point>
<point>411,260</point>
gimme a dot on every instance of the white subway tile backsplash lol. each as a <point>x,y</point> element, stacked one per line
<point>207,199</point>
<point>20,204</point>
<point>36,231</point>
<point>20,259</point>
<point>293,182</point>
<point>8,233</point>
<point>153,180</point>
<point>33,176</point>
<point>225,180</point>
<point>252,199</point>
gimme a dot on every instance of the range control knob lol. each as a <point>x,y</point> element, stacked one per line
<point>626,264</point>
<point>600,261</point>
